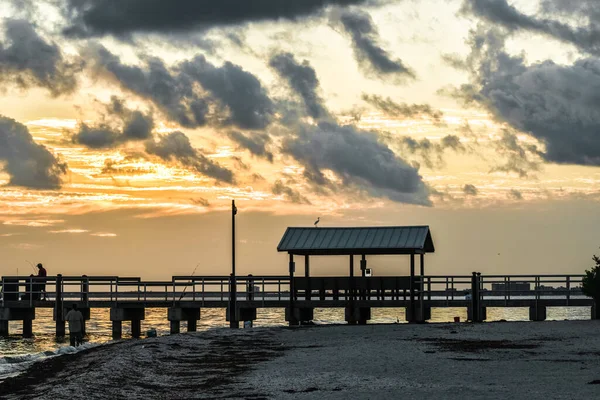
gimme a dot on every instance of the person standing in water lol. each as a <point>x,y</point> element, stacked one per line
<point>42,280</point>
<point>75,318</point>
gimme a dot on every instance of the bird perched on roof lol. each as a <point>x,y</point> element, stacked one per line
<point>317,222</point>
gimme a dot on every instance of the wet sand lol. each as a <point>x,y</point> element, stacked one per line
<point>558,360</point>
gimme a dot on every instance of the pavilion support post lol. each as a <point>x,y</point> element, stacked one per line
<point>292,266</point>
<point>422,289</point>
<point>352,278</point>
<point>412,288</point>
<point>363,273</point>
<point>307,275</point>
<point>352,318</point>
<point>363,265</point>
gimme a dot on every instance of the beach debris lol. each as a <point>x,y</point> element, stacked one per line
<point>475,346</point>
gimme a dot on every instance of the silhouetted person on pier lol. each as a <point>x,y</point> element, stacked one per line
<point>42,281</point>
<point>75,319</point>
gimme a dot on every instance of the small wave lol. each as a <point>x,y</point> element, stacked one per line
<point>14,365</point>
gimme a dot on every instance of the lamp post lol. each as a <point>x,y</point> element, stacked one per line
<point>233,323</point>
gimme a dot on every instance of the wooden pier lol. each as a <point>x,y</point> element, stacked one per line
<point>184,297</point>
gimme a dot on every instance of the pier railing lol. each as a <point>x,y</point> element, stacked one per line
<point>214,290</point>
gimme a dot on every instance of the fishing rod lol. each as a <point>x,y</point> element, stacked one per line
<point>32,266</point>
<point>186,286</point>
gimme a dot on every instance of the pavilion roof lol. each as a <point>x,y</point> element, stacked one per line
<point>357,240</point>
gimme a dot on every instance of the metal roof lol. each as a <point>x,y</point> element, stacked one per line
<point>347,241</point>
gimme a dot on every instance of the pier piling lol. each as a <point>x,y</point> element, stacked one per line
<point>537,313</point>
<point>418,315</point>
<point>135,315</point>
<point>117,329</point>
<point>192,325</point>
<point>177,314</point>
<point>27,328</point>
<point>481,315</point>
<point>4,328</point>
<point>297,315</point>
<point>136,328</point>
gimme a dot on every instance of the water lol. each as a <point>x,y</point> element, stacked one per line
<point>17,353</point>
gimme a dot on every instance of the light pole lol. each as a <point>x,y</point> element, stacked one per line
<point>233,323</point>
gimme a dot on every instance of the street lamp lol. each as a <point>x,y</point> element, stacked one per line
<point>233,323</point>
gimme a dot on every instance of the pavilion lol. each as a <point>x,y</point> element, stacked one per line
<point>355,241</point>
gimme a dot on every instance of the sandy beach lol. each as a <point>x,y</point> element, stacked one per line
<point>558,360</point>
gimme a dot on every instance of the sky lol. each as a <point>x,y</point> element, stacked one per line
<point>127,127</point>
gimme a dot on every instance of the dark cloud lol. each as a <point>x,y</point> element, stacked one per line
<point>186,92</point>
<point>119,125</point>
<point>470,190</point>
<point>256,177</point>
<point>120,18</point>
<point>112,167</point>
<point>239,91</point>
<point>303,79</point>
<point>27,163</point>
<point>583,10</point>
<point>200,201</point>
<point>452,142</point>
<point>430,153</point>
<point>96,137</point>
<point>393,109</point>
<point>586,38</point>
<point>343,150</point>
<point>279,188</point>
<point>454,60</point>
<point>28,60</point>
<point>255,143</point>
<point>176,146</point>
<point>136,125</point>
<point>372,58</point>
<point>444,195</point>
<point>515,194</point>
<point>521,159</point>
<point>557,104</point>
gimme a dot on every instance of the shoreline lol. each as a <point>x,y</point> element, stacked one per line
<point>557,359</point>
<point>209,360</point>
<point>42,370</point>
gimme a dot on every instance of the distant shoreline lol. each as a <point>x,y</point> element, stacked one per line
<point>554,359</point>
